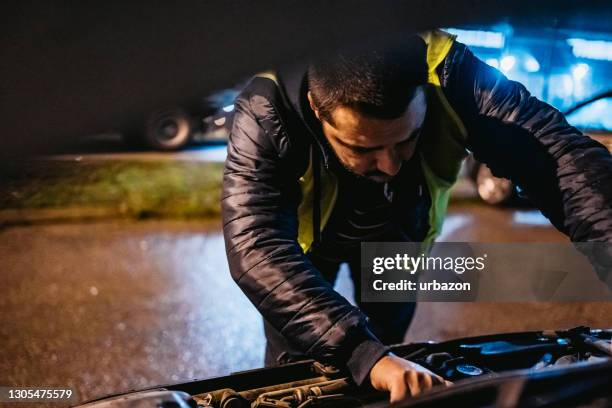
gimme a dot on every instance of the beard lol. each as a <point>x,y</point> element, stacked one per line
<point>375,176</point>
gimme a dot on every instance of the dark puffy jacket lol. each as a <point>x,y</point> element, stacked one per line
<point>566,175</point>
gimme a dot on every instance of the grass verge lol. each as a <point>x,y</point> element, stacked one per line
<point>130,189</point>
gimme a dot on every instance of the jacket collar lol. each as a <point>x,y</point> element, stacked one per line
<point>293,81</point>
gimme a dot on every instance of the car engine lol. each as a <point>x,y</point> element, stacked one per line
<point>543,368</point>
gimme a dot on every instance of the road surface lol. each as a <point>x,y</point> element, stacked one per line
<point>112,306</point>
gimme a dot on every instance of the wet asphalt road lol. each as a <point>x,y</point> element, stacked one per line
<point>113,306</point>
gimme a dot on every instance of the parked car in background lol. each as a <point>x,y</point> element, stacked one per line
<point>174,128</point>
<point>592,116</point>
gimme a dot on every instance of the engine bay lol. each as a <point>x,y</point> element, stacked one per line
<point>543,368</point>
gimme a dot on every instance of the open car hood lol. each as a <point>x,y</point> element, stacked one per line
<point>538,368</point>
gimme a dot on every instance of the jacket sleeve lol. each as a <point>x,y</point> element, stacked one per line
<point>259,210</point>
<point>567,175</point>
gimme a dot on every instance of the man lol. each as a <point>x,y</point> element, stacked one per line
<point>365,146</point>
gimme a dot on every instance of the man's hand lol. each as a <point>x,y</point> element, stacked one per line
<point>402,377</point>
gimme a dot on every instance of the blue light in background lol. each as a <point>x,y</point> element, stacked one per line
<point>507,63</point>
<point>562,67</point>
<point>494,62</point>
<point>228,108</point>
<point>598,50</point>
<point>579,71</point>
<point>596,116</point>
<point>568,85</point>
<point>479,38</point>
<point>531,64</point>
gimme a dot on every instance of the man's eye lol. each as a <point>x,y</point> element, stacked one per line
<point>361,150</point>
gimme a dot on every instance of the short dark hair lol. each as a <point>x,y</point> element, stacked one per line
<point>379,81</point>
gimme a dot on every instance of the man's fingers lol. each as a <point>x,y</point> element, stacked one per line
<point>402,378</point>
<point>412,379</point>
<point>426,381</point>
<point>399,391</point>
<point>437,380</point>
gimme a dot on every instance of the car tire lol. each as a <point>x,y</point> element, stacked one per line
<point>167,130</point>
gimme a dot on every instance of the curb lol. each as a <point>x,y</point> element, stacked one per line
<point>14,217</point>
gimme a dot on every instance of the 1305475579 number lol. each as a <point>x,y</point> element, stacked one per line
<point>17,394</point>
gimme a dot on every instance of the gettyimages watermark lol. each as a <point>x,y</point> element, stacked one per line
<point>462,272</point>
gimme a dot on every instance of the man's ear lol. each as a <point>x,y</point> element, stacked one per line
<point>312,106</point>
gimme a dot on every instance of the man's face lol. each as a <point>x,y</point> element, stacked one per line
<point>374,148</point>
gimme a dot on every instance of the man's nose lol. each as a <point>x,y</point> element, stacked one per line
<point>389,161</point>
